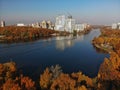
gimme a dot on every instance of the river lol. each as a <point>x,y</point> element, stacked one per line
<point>73,54</point>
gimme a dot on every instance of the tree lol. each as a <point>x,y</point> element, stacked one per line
<point>63,82</point>
<point>45,79</point>
<point>11,85</point>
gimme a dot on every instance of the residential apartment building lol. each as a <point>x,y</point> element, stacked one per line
<point>70,24</point>
<point>115,26</point>
<point>60,23</point>
<point>2,24</point>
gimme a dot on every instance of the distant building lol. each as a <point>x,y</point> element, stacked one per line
<point>43,24</point>
<point>60,23</point>
<point>2,23</point>
<point>118,25</point>
<point>81,27</point>
<point>37,25</point>
<point>49,23</point>
<point>114,26</point>
<point>20,24</point>
<point>85,25</point>
<point>64,24</point>
<point>69,24</point>
<point>53,27</point>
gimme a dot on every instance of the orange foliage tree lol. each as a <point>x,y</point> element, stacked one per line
<point>45,79</point>
<point>63,82</point>
<point>10,81</point>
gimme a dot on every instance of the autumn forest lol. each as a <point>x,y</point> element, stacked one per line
<point>15,34</point>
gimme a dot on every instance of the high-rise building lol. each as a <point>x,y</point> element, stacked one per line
<point>2,23</point>
<point>69,24</point>
<point>60,23</point>
<point>64,24</point>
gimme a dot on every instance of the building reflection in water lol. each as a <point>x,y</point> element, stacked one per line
<point>63,42</point>
<point>79,38</point>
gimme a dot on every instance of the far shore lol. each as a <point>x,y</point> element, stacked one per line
<point>18,34</point>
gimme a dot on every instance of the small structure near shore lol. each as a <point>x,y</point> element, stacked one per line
<point>20,24</point>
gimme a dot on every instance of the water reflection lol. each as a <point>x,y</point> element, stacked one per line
<point>79,38</point>
<point>63,42</point>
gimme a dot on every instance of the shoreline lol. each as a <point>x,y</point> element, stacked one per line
<point>26,34</point>
<point>102,48</point>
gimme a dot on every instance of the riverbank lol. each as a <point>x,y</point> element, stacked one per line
<point>109,72</point>
<point>15,34</point>
<point>107,49</point>
<point>109,40</point>
<point>11,34</point>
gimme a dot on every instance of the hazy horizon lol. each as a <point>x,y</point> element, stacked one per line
<point>84,11</point>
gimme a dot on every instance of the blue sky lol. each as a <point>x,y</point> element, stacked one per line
<point>84,11</point>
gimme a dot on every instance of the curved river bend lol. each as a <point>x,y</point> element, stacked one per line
<point>72,53</point>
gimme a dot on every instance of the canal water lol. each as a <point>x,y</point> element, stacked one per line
<point>72,53</point>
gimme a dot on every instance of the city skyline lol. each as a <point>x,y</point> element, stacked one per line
<point>84,11</point>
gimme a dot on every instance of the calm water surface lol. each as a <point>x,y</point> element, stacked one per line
<point>72,53</point>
